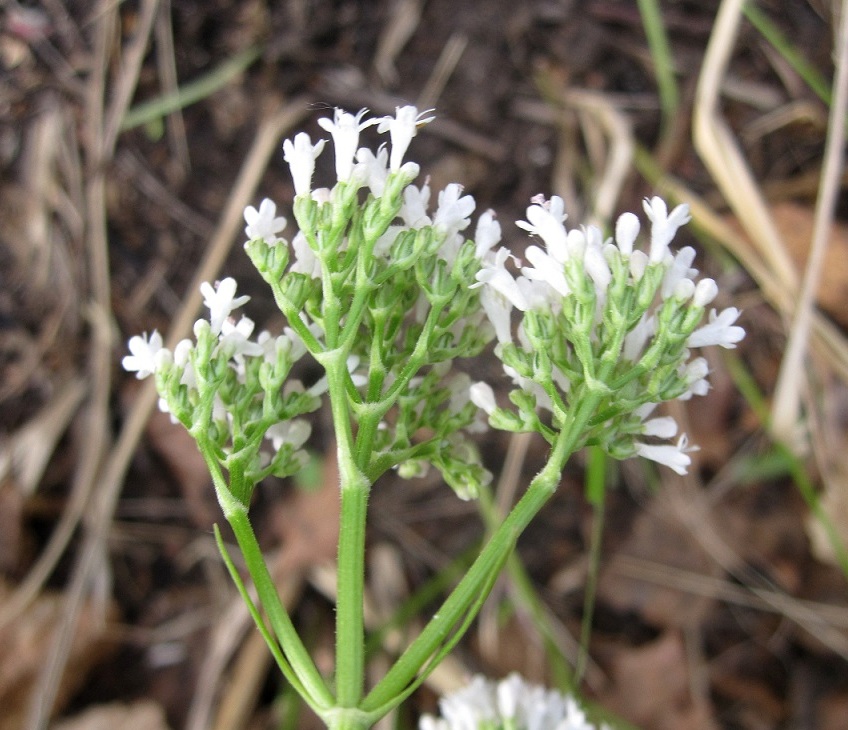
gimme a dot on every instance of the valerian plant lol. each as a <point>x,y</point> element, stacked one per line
<point>386,292</point>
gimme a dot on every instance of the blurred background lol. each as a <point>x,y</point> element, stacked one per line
<point>133,134</point>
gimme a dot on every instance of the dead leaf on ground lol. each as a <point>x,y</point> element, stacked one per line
<point>24,645</point>
<point>651,687</point>
<point>176,447</point>
<point>660,537</point>
<point>795,223</point>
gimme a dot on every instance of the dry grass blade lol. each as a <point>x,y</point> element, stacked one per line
<point>770,265</point>
<point>614,160</point>
<point>442,71</point>
<point>26,453</point>
<point>688,504</point>
<point>403,22</point>
<point>716,146</point>
<point>828,339</point>
<point>711,587</point>
<point>95,447</point>
<point>125,85</point>
<point>787,400</point>
<point>111,477</point>
<point>43,432</point>
<point>168,76</point>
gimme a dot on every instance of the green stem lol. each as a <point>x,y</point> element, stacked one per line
<point>466,592</point>
<point>296,653</point>
<point>595,493</point>
<point>457,606</point>
<point>350,631</point>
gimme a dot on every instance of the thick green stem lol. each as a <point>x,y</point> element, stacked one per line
<point>354,486</point>
<point>350,631</point>
<point>394,686</point>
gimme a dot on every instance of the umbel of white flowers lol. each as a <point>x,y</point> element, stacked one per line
<point>600,317</point>
<point>511,704</point>
<point>597,318</point>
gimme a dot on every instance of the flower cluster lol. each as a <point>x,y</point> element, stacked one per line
<point>511,704</point>
<point>372,273</point>
<point>402,293</point>
<point>231,391</point>
<point>602,319</point>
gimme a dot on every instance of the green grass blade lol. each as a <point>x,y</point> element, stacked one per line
<point>809,73</point>
<point>663,61</point>
<point>190,93</point>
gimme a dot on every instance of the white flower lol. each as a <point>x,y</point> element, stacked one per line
<point>295,433</point>
<point>664,225</point>
<point>663,427</point>
<point>373,169</point>
<point>637,338</point>
<point>695,374</point>
<point>705,291</point>
<point>538,295</point>
<point>345,128</point>
<point>594,262</point>
<point>221,301</point>
<point>402,128</point>
<point>718,331</point>
<point>684,290</point>
<point>305,261</point>
<point>264,223</point>
<point>498,309</point>
<point>301,157</point>
<point>488,233</point>
<point>454,210</point>
<point>638,264</point>
<point>679,270</point>
<point>482,396</point>
<point>674,457</point>
<point>546,268</point>
<point>546,221</point>
<point>511,703</point>
<point>182,359</point>
<point>413,212</point>
<point>494,274</point>
<point>234,341</point>
<point>626,231</point>
<point>143,358</point>
<point>543,400</point>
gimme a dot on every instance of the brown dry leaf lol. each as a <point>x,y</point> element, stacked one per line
<point>658,536</point>
<point>25,643</point>
<point>795,223</point>
<point>651,687</point>
<point>143,715</point>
